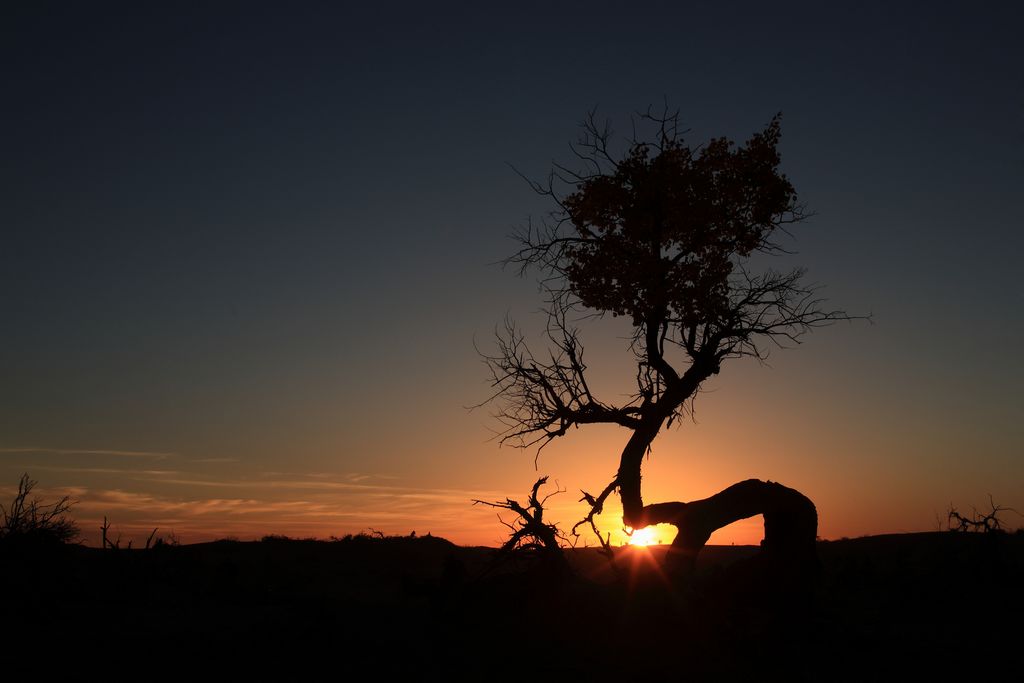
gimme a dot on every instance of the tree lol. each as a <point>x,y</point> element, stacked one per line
<point>664,234</point>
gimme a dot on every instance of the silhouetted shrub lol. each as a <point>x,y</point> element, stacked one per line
<point>983,522</point>
<point>29,521</point>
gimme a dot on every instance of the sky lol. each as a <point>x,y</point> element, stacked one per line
<point>249,251</point>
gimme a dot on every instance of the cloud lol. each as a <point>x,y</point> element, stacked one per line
<point>297,508</point>
<point>83,451</point>
<point>101,470</point>
<point>211,460</point>
<point>137,497</point>
<point>291,483</point>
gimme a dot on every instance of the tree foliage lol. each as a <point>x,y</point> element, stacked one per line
<point>657,235</point>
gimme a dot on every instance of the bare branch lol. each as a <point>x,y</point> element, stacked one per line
<point>541,399</point>
<point>978,522</point>
<point>596,508</point>
<point>30,519</point>
<point>529,530</point>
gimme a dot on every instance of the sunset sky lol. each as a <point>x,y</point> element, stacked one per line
<point>248,248</point>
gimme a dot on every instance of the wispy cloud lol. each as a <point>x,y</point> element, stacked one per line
<point>101,470</point>
<point>213,460</point>
<point>89,451</point>
<point>361,476</point>
<point>137,496</point>
<point>295,484</point>
<point>266,509</point>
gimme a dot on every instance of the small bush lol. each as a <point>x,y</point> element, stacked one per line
<point>979,522</point>
<point>275,538</point>
<point>32,521</point>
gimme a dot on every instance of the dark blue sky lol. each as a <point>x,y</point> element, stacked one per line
<point>261,233</point>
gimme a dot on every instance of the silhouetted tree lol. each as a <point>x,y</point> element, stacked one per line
<point>664,235</point>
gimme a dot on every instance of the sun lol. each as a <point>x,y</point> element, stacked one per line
<point>644,537</point>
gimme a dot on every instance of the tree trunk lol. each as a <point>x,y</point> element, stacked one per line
<point>790,520</point>
<point>629,474</point>
<point>654,416</point>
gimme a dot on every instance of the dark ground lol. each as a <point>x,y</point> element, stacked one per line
<point>935,606</point>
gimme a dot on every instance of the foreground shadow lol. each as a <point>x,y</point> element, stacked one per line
<point>880,607</point>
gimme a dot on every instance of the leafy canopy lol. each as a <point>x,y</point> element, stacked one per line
<point>658,235</point>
